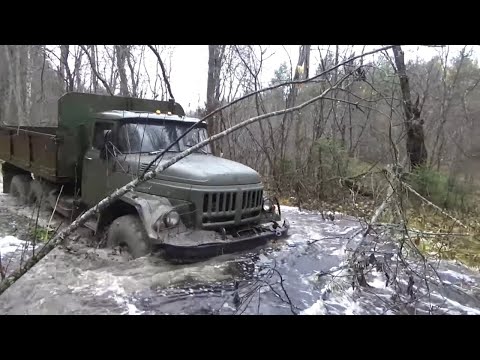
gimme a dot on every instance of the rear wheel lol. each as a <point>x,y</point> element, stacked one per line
<point>38,194</point>
<point>128,231</point>
<point>20,187</point>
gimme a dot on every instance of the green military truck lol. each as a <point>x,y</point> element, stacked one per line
<point>201,206</point>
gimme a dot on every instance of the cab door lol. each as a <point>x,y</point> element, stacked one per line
<point>96,166</point>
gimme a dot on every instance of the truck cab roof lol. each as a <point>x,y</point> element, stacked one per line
<point>120,115</point>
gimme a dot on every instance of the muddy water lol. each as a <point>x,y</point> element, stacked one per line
<point>303,274</point>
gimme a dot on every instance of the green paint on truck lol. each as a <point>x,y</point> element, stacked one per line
<point>201,206</point>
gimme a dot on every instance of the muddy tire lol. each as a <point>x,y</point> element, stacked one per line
<point>38,193</point>
<point>20,187</point>
<point>128,231</point>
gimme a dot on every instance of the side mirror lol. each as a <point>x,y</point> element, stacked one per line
<point>107,140</point>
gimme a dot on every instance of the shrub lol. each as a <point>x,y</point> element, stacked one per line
<point>444,191</point>
<point>332,156</point>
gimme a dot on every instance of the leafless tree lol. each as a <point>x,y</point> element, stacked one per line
<point>215,58</point>
<point>416,148</point>
<point>121,52</point>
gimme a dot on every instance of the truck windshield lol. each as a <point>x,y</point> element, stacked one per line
<point>147,138</point>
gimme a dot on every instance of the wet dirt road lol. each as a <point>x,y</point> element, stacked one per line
<point>303,274</point>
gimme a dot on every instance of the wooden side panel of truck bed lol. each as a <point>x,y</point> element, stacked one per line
<point>30,150</point>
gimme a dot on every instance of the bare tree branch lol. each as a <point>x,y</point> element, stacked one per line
<point>257,92</point>
<point>93,67</point>
<point>164,72</point>
<point>276,86</point>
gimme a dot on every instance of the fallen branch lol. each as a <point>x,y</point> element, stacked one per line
<point>433,205</point>
<point>61,236</point>
<point>349,183</point>
<point>382,207</point>
<point>376,215</point>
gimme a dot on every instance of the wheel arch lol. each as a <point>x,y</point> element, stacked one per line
<point>146,206</point>
<point>116,209</point>
<point>8,172</point>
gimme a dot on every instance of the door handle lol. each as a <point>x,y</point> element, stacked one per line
<point>88,158</point>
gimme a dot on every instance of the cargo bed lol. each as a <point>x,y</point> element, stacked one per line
<point>34,149</point>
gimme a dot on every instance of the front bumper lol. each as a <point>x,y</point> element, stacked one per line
<point>261,235</point>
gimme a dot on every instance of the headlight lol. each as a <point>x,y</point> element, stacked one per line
<point>267,205</point>
<point>171,219</point>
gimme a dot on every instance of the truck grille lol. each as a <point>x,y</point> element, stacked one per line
<point>222,206</point>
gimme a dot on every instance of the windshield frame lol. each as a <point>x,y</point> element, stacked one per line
<point>180,128</point>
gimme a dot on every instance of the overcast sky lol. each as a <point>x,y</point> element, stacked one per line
<point>190,67</point>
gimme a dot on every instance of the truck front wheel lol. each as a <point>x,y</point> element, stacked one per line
<point>128,231</point>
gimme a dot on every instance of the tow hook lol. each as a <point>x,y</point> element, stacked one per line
<point>273,226</point>
<point>277,228</point>
<point>224,233</point>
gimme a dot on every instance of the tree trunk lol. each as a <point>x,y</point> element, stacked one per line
<point>416,149</point>
<point>121,57</point>
<point>18,86</point>
<point>77,72</point>
<point>215,54</point>
<point>65,68</point>
<point>93,63</point>
<point>133,77</point>
<point>29,54</point>
<point>63,55</point>
<point>301,72</point>
<point>7,117</point>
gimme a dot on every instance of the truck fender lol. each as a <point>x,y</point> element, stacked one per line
<point>149,208</point>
